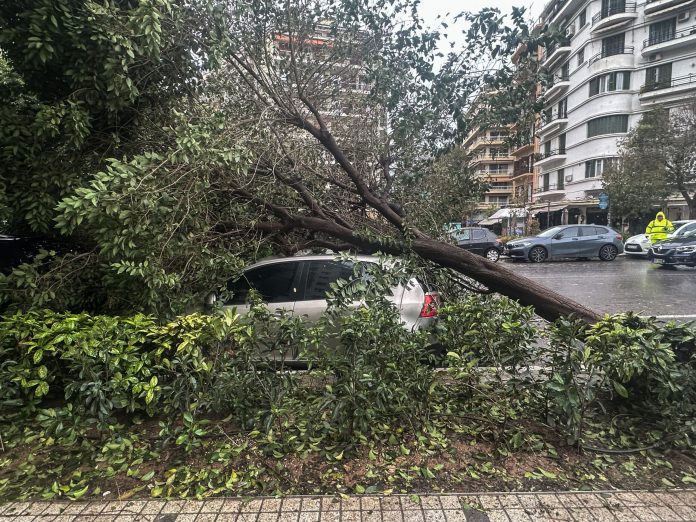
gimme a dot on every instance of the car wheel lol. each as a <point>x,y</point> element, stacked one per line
<point>537,254</point>
<point>492,254</point>
<point>608,253</point>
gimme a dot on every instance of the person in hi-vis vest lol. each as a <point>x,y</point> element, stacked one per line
<point>659,227</point>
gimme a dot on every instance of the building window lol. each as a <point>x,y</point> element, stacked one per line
<point>607,125</point>
<point>545,182</point>
<point>581,56</point>
<point>612,7</point>
<point>565,71</point>
<point>659,77</point>
<point>496,169</point>
<point>559,178</point>
<point>582,19</point>
<point>614,81</point>
<point>613,45</point>
<point>563,108</point>
<point>662,31</point>
<point>595,167</point>
<point>562,144</point>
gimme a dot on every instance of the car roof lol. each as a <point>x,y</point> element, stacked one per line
<point>313,257</point>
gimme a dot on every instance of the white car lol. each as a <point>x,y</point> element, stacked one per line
<point>640,245</point>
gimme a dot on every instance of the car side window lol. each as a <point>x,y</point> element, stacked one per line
<point>464,235</point>
<point>275,283</point>
<point>478,235</point>
<point>320,275</point>
<point>599,231</point>
<point>569,232</point>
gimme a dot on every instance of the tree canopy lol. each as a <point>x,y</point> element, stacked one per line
<point>164,144</point>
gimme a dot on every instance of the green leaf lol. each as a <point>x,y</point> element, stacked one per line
<point>620,389</point>
<point>148,476</point>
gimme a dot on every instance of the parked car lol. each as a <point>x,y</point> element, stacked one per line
<point>479,241</point>
<point>639,245</point>
<point>678,250</point>
<point>576,241</point>
<point>298,285</point>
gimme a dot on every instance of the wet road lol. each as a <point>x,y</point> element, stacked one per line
<point>625,284</point>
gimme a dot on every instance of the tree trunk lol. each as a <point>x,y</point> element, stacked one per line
<point>547,303</point>
<point>692,209</point>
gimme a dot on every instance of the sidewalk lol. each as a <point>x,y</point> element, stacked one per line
<point>515,507</point>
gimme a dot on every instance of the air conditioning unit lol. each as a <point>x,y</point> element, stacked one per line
<point>569,177</point>
<point>683,17</point>
<point>655,57</point>
<point>570,31</point>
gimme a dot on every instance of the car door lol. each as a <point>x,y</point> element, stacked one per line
<point>478,241</point>
<point>317,277</point>
<point>277,283</point>
<point>566,243</point>
<point>464,238</point>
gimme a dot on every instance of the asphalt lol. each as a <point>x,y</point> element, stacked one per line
<point>625,284</point>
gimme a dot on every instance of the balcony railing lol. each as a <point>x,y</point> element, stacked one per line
<point>667,36</point>
<point>548,118</point>
<point>612,51</point>
<point>628,7</point>
<point>551,48</point>
<point>669,83</point>
<point>523,166</point>
<point>551,153</point>
<point>548,187</point>
<point>501,187</point>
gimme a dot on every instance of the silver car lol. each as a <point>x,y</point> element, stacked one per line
<point>298,285</point>
<point>575,241</point>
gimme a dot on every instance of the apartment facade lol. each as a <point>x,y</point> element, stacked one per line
<point>493,162</point>
<point>618,59</point>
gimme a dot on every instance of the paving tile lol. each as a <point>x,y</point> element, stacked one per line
<point>434,515</point>
<point>17,508</point>
<point>686,512</point>
<point>231,505</point>
<point>688,498</point>
<point>352,504</point>
<point>591,500</point>
<point>332,516</point>
<point>529,501</point>
<point>213,506</point>
<point>191,506</point>
<point>450,502</point>
<point>171,507</point>
<point>665,513</point>
<point>350,516</point>
<point>291,504</point>
<point>517,515</point>
<point>227,517</point>
<point>152,507</point>
<point>392,516</point>
<point>557,514</point>
<point>24,518</point>
<point>430,502</point>
<point>253,506</point>
<point>630,499</point>
<point>603,514</point>
<point>390,503</point>
<point>624,515</point>
<point>652,499</point>
<point>308,516</point>
<point>144,518</point>
<point>497,515</point>
<point>372,516</point>
<point>289,516</point>
<point>271,505</point>
<point>267,517</point>
<point>510,502</point>
<point>186,517</point>
<point>370,503</point>
<point>485,501</point>
<point>458,515</point>
<point>64,518</point>
<point>109,517</point>
<point>410,505</point>
<point>330,504</point>
<point>247,517</point>
<point>311,504</point>
<point>413,516</point>
<point>644,514</point>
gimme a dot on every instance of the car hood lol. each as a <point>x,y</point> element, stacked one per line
<point>640,238</point>
<point>676,242</point>
<point>535,239</point>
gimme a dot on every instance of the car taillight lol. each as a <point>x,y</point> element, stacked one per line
<point>429,306</point>
<point>619,237</point>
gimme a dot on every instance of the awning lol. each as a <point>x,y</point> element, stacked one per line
<point>505,213</point>
<point>550,208</point>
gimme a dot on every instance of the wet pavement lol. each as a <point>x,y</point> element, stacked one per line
<point>625,284</point>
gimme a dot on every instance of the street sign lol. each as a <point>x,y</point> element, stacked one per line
<point>604,201</point>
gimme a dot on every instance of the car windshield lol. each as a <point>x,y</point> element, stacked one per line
<point>690,234</point>
<point>550,232</point>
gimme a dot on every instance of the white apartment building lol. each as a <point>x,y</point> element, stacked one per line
<point>619,59</point>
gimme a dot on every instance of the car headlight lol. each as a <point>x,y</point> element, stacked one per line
<point>686,249</point>
<point>523,244</point>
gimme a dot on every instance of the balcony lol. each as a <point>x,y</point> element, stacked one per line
<point>500,188</point>
<point>669,40</point>
<point>559,83</point>
<point>555,53</point>
<point>523,166</point>
<point>551,156</point>
<point>552,122</point>
<point>549,188</point>
<point>659,7</point>
<point>607,53</point>
<point>612,17</point>
<point>673,86</point>
<point>491,158</point>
